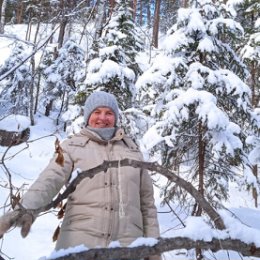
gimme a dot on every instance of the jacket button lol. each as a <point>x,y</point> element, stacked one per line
<point>111,209</point>
<point>105,183</point>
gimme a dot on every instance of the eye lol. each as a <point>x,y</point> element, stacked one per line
<point>110,113</point>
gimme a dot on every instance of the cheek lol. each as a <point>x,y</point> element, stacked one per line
<point>91,119</point>
<point>112,120</point>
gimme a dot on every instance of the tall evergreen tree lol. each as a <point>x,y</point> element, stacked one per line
<point>63,77</point>
<point>199,104</point>
<point>247,12</point>
<point>114,67</point>
<point>14,90</point>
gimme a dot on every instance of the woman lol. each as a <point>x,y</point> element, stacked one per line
<point>116,205</point>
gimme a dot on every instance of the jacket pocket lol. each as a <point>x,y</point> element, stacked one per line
<point>135,227</point>
<point>139,227</point>
<point>131,154</point>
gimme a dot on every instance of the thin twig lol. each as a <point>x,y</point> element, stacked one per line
<point>29,56</point>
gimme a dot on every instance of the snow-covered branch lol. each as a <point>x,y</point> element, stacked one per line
<point>144,248</point>
<point>163,245</point>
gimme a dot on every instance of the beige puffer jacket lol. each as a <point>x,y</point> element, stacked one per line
<point>114,206</point>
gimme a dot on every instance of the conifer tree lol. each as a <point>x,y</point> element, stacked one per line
<point>14,89</point>
<point>199,103</point>
<point>114,68</point>
<point>63,76</point>
<point>247,13</point>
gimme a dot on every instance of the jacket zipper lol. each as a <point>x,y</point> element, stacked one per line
<point>110,226</point>
<point>121,203</point>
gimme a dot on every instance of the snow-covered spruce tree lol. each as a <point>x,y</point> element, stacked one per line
<point>14,89</point>
<point>114,68</point>
<point>63,77</point>
<point>251,56</point>
<point>247,13</point>
<point>199,105</point>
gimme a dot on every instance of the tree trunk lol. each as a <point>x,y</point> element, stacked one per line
<point>37,32</point>
<point>66,108</point>
<point>185,3</point>
<point>100,18</point>
<point>61,107</point>
<point>253,83</point>
<point>19,12</point>
<point>255,194</point>
<point>37,93</point>
<point>28,31</point>
<point>148,15</point>
<point>156,24</point>
<point>255,100</point>
<point>63,24</point>
<point>2,21</point>
<point>48,108</point>
<point>52,29</point>
<point>199,255</point>
<point>112,4</point>
<point>134,9</point>
<point>31,97</point>
<point>141,14</point>
<point>201,165</point>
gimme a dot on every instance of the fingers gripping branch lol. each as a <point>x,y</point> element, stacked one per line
<point>25,222</point>
<point>7,221</point>
<point>20,218</point>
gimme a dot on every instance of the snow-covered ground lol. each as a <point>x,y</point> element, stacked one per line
<point>25,164</point>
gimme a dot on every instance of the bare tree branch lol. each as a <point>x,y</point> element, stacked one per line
<point>16,38</point>
<point>215,217</point>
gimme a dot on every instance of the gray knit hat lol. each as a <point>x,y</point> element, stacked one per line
<point>100,99</point>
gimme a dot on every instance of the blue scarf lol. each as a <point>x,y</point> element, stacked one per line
<point>105,133</point>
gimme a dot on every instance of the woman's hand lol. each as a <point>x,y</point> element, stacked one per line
<point>17,218</point>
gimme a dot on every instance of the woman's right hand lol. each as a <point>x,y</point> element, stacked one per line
<point>15,218</point>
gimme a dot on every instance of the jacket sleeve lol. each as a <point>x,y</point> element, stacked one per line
<point>149,211</point>
<point>49,182</point>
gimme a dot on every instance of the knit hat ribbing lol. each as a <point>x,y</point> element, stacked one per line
<point>100,99</point>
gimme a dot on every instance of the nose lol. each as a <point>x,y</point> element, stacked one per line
<point>102,116</point>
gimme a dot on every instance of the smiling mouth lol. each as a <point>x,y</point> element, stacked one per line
<point>102,124</point>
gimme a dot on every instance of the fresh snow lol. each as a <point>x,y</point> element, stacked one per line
<point>15,123</point>
<point>38,244</point>
<point>26,161</point>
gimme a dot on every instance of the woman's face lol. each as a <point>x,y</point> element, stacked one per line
<point>102,117</point>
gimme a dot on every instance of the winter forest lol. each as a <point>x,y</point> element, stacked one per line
<point>186,74</point>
